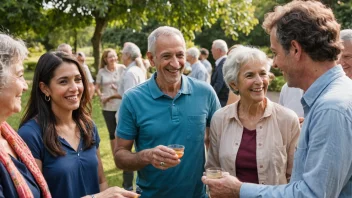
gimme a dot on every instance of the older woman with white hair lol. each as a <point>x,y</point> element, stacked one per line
<point>19,173</point>
<point>346,56</point>
<point>253,139</point>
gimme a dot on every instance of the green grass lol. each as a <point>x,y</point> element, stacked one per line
<point>113,175</point>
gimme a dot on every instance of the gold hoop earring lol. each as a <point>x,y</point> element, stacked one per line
<point>47,98</point>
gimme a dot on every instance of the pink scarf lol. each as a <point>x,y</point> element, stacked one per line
<point>23,152</point>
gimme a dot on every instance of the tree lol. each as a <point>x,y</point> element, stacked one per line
<point>17,17</point>
<point>188,16</point>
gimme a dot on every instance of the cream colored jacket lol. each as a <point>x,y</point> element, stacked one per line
<point>277,135</point>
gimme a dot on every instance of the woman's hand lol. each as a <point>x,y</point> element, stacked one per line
<point>116,192</point>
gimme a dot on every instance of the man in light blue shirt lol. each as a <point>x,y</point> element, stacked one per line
<point>198,70</point>
<point>169,108</point>
<point>304,38</point>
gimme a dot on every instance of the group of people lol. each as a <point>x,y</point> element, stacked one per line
<point>262,147</point>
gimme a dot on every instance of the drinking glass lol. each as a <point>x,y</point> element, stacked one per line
<point>214,173</point>
<point>179,149</point>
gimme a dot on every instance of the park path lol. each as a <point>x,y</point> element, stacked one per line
<point>273,96</point>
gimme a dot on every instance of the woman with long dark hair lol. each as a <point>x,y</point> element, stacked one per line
<point>59,131</point>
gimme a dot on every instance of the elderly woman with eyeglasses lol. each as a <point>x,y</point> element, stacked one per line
<point>253,139</point>
<point>19,173</point>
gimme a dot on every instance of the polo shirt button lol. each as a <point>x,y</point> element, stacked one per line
<point>236,144</point>
<point>261,166</point>
<point>263,182</point>
<point>260,144</point>
<point>260,127</point>
<point>78,154</point>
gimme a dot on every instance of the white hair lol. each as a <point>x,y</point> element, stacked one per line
<point>346,35</point>
<point>238,57</point>
<point>220,44</point>
<point>194,52</point>
<point>162,31</point>
<point>64,48</point>
<point>132,50</point>
<point>11,52</point>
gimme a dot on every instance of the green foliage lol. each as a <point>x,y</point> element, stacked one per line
<point>30,66</point>
<point>343,13</point>
<point>16,17</point>
<point>276,84</point>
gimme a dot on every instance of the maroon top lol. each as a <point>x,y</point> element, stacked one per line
<point>246,161</point>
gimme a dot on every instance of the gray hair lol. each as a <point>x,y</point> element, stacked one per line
<point>162,31</point>
<point>346,35</point>
<point>132,50</point>
<point>11,52</point>
<point>238,57</point>
<point>64,48</point>
<point>194,52</point>
<point>220,44</point>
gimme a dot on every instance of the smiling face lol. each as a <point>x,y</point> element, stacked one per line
<point>10,94</point>
<point>169,59</point>
<point>346,58</point>
<point>65,88</point>
<point>111,58</point>
<point>284,61</point>
<point>253,81</point>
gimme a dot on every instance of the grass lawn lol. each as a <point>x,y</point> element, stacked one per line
<point>113,175</point>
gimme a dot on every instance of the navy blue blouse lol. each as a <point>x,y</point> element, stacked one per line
<point>7,188</point>
<point>72,175</point>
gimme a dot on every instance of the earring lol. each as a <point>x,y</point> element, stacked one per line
<point>236,92</point>
<point>47,98</point>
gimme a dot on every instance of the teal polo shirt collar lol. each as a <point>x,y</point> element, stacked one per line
<point>157,93</point>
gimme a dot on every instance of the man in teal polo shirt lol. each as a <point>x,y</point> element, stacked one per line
<point>169,108</point>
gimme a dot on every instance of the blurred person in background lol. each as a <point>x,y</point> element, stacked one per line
<point>65,48</point>
<point>60,133</point>
<point>219,50</point>
<point>19,174</point>
<point>203,57</point>
<point>81,57</point>
<point>346,56</point>
<point>108,78</point>
<point>133,74</point>
<point>198,70</point>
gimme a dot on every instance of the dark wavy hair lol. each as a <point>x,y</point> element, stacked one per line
<point>40,110</point>
<point>311,24</point>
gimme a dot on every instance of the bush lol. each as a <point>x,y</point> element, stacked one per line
<point>30,65</point>
<point>276,84</point>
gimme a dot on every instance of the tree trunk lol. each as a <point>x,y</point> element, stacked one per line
<point>75,47</point>
<point>100,25</point>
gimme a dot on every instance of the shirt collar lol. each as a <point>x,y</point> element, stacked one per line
<point>133,63</point>
<point>219,60</point>
<point>195,64</point>
<point>318,86</point>
<point>233,113</point>
<point>157,93</point>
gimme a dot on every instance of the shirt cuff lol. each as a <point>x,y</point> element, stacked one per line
<point>249,190</point>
